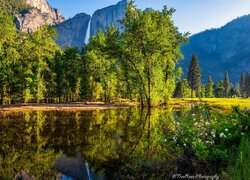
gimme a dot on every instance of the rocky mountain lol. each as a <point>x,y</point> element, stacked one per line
<point>40,13</point>
<point>220,50</point>
<point>108,16</point>
<point>73,32</point>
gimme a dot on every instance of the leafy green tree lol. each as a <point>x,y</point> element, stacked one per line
<point>8,56</point>
<point>209,90</point>
<point>103,69</point>
<point>148,51</point>
<point>194,75</point>
<point>13,7</point>
<point>182,89</point>
<point>42,50</point>
<point>226,84</point>
<point>86,90</point>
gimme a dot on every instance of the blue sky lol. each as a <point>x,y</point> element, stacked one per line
<point>191,15</point>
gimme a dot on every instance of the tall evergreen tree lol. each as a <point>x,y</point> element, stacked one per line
<point>194,75</point>
<point>219,89</point>
<point>247,84</point>
<point>242,84</point>
<point>226,84</point>
<point>209,90</point>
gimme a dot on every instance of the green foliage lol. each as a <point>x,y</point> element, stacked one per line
<point>8,55</point>
<point>239,167</point>
<point>209,90</point>
<point>212,135</point>
<point>24,62</point>
<point>13,7</point>
<point>145,55</point>
<point>219,89</point>
<point>182,89</point>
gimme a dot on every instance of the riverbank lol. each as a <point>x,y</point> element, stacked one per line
<point>76,106</point>
<point>220,103</point>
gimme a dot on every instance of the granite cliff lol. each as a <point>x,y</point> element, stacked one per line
<point>73,32</point>
<point>40,13</point>
<point>107,16</point>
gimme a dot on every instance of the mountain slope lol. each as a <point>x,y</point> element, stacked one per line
<point>108,16</point>
<point>73,31</point>
<point>220,50</point>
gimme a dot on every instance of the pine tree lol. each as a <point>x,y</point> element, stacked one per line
<point>194,75</point>
<point>226,84</point>
<point>242,84</point>
<point>219,89</point>
<point>209,91</point>
<point>247,84</point>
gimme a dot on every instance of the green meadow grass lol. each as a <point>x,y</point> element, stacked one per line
<point>220,103</point>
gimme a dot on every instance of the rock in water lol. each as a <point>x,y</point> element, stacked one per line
<point>73,32</point>
<point>108,16</point>
<point>41,13</point>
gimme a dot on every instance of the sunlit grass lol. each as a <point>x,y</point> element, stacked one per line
<point>239,167</point>
<point>221,103</point>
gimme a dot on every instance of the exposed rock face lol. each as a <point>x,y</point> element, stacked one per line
<point>40,14</point>
<point>73,31</point>
<point>220,50</point>
<point>108,16</point>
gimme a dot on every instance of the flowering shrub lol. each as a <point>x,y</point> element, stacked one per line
<point>210,135</point>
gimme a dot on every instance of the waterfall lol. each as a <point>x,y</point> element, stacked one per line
<point>88,32</point>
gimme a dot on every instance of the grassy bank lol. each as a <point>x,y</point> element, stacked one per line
<point>222,103</point>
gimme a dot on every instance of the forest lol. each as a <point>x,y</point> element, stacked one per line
<point>139,64</point>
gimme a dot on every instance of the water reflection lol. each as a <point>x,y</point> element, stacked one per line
<point>122,143</point>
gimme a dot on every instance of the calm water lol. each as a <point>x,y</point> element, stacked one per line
<point>120,144</point>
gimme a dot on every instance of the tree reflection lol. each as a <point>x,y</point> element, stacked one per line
<point>120,143</point>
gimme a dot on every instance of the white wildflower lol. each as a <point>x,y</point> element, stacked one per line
<point>222,135</point>
<point>226,130</point>
<point>184,144</point>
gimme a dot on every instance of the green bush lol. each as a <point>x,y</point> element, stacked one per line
<point>210,134</point>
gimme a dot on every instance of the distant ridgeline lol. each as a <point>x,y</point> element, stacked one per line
<point>220,50</point>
